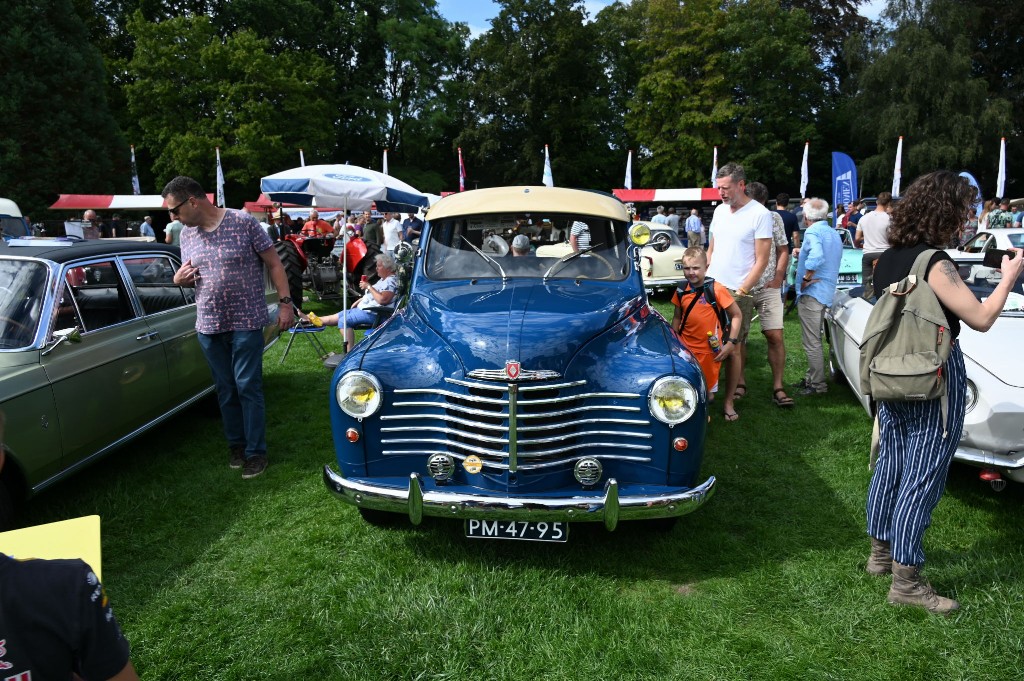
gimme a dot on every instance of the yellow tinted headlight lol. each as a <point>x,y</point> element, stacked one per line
<point>358,394</point>
<point>672,400</point>
<point>640,234</point>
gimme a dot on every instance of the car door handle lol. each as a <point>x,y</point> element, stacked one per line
<point>145,336</point>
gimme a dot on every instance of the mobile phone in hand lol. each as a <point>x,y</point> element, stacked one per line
<point>994,257</point>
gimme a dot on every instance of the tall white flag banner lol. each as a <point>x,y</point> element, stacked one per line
<point>1001,178</point>
<point>628,183</point>
<point>804,175</point>
<point>302,159</point>
<point>385,165</point>
<point>220,181</point>
<point>714,170</point>
<point>547,180</point>
<point>897,171</point>
<point>136,189</point>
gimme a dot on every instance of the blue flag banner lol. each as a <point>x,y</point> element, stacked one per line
<point>974,183</point>
<point>844,183</point>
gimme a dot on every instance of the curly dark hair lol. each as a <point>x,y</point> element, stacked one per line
<point>932,210</point>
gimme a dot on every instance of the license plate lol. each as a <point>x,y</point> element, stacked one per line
<point>679,265</point>
<point>849,278</point>
<point>517,529</point>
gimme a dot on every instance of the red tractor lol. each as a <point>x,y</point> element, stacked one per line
<point>313,263</point>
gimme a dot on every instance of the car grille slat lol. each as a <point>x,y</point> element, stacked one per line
<point>555,423</point>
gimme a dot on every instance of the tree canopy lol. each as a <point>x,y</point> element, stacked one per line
<point>346,79</point>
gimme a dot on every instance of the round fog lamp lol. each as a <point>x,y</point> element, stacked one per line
<point>352,435</point>
<point>440,467</point>
<point>972,395</point>
<point>680,444</point>
<point>587,471</point>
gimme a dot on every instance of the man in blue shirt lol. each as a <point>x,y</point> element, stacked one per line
<point>817,274</point>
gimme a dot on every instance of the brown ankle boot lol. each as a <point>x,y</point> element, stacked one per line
<point>910,588</point>
<point>880,560</point>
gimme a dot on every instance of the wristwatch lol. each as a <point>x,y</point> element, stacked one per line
<point>734,341</point>
<point>286,300</point>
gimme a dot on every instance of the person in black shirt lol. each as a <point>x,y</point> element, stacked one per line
<point>56,620</point>
<point>915,454</point>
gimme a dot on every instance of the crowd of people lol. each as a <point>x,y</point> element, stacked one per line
<point>741,273</point>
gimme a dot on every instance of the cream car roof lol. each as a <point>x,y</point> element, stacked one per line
<point>519,200</point>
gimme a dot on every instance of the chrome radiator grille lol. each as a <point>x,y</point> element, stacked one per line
<point>552,424</point>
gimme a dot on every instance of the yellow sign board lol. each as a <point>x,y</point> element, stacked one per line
<point>75,538</point>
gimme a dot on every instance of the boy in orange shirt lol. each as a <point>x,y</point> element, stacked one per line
<point>696,321</point>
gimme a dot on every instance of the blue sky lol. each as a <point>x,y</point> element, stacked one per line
<point>478,13</point>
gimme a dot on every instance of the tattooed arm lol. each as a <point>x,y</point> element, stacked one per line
<point>953,293</point>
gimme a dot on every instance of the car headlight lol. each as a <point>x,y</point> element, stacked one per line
<point>972,395</point>
<point>640,234</point>
<point>672,400</point>
<point>358,394</point>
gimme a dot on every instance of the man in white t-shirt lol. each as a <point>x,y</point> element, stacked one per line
<point>873,237</point>
<point>738,251</point>
<point>392,230</point>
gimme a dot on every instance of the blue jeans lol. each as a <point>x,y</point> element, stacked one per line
<point>236,361</point>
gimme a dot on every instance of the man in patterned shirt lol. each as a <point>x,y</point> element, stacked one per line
<point>223,253</point>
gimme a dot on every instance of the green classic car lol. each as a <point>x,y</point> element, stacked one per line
<point>97,344</point>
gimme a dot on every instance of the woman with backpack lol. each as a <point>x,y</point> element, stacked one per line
<point>917,440</point>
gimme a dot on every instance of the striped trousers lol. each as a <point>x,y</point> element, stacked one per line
<point>913,460</point>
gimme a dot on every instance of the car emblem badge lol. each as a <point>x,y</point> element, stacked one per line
<point>512,369</point>
<point>472,464</point>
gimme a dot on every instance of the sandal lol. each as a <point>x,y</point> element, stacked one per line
<point>731,416</point>
<point>741,387</point>
<point>784,401</point>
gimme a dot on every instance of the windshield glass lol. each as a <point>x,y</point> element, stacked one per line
<point>982,280</point>
<point>477,246</point>
<point>22,286</point>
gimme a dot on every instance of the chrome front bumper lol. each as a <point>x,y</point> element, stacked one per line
<point>607,506</point>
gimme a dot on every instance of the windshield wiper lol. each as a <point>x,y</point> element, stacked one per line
<point>566,258</point>
<point>487,259</point>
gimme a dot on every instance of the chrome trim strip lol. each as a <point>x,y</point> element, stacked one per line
<point>513,398</point>
<point>524,375</point>
<point>522,388</point>
<point>491,400</point>
<point>499,414</point>
<point>488,426</point>
<point>496,465</point>
<point>530,455</point>
<point>608,506</point>
<point>509,441</point>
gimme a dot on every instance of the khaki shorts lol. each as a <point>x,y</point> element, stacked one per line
<point>746,304</point>
<point>770,308</point>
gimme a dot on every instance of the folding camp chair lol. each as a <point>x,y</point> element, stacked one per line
<point>309,332</point>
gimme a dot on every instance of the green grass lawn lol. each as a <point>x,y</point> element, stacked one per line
<point>213,577</point>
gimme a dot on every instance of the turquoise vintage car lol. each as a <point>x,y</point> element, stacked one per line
<point>97,344</point>
<point>849,268</point>
<point>522,395</point>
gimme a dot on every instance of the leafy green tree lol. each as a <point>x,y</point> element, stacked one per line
<point>536,80</point>
<point>682,102</point>
<point>58,134</point>
<point>774,115</point>
<point>191,91</point>
<point>918,80</point>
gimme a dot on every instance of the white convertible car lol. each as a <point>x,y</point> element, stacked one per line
<point>993,437</point>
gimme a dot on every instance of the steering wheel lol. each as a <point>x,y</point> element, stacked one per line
<point>15,323</point>
<point>604,261</point>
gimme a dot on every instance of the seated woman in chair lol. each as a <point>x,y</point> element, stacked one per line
<point>381,294</point>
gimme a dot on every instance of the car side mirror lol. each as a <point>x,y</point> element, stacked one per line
<point>72,335</point>
<point>660,242</point>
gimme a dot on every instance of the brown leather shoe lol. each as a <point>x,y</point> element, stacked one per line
<point>910,588</point>
<point>880,560</point>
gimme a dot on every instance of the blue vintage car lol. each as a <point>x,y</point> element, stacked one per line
<point>522,393</point>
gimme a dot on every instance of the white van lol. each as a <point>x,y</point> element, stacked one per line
<point>12,224</point>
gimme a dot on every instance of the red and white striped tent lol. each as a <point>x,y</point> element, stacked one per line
<point>112,202</point>
<point>667,195</point>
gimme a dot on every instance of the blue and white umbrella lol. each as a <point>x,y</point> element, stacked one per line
<point>343,186</point>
